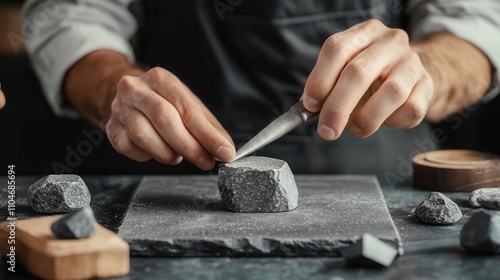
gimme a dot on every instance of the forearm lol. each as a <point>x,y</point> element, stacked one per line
<point>461,73</point>
<point>90,84</point>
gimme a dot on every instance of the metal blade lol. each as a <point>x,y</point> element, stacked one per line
<point>296,116</point>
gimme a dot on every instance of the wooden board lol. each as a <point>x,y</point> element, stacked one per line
<point>184,216</point>
<point>456,170</point>
<point>103,255</point>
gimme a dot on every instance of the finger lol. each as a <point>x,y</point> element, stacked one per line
<point>141,132</point>
<point>335,53</point>
<point>193,116</point>
<point>355,80</point>
<point>120,141</point>
<point>169,125</point>
<point>213,120</point>
<point>413,111</point>
<point>393,93</point>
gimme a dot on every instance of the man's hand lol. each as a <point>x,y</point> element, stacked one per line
<point>151,115</point>
<point>156,115</point>
<point>367,76</point>
<point>2,99</point>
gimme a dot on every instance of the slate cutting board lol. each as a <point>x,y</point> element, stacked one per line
<point>184,216</point>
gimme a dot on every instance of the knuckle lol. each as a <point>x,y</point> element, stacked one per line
<point>157,73</point>
<point>357,70</point>
<point>374,24</point>
<point>335,45</point>
<point>126,84</point>
<point>121,144</point>
<point>161,113</point>
<point>134,130</point>
<point>400,35</point>
<point>315,85</point>
<point>334,112</point>
<point>416,112</point>
<point>396,91</point>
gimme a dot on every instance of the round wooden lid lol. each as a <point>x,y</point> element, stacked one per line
<point>456,170</point>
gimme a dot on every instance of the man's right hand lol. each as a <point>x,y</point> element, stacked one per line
<point>156,116</point>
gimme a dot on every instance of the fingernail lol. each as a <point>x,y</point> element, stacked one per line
<point>311,103</point>
<point>205,162</point>
<point>327,132</point>
<point>224,153</point>
<point>355,130</point>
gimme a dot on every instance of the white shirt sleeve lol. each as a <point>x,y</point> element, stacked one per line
<point>476,21</point>
<point>58,33</point>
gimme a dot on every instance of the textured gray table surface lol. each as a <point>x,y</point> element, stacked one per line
<point>431,252</point>
<point>184,216</point>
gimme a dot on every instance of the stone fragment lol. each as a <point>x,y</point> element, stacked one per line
<point>257,184</point>
<point>438,209</point>
<point>490,198</point>
<point>481,233</point>
<point>370,251</point>
<point>77,225</point>
<point>59,194</point>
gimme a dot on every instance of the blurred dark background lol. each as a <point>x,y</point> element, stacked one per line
<point>39,143</point>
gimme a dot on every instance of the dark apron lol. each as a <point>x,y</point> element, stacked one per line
<point>250,62</point>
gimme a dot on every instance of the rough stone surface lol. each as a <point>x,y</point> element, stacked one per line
<point>258,184</point>
<point>183,216</point>
<point>77,225</point>
<point>487,197</point>
<point>370,251</point>
<point>481,233</point>
<point>59,194</point>
<point>438,209</point>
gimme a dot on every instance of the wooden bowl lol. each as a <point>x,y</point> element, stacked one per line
<point>456,170</point>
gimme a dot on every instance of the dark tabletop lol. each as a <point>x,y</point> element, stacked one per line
<point>431,252</point>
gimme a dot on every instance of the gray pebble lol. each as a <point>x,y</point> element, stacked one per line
<point>258,184</point>
<point>438,209</point>
<point>59,194</point>
<point>77,225</point>
<point>481,233</point>
<point>489,197</point>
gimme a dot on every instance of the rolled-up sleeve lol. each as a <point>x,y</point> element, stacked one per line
<point>60,32</point>
<point>476,21</point>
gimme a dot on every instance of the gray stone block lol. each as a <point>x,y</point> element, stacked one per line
<point>438,209</point>
<point>257,184</point>
<point>370,251</point>
<point>77,225</point>
<point>481,233</point>
<point>487,197</point>
<point>59,194</point>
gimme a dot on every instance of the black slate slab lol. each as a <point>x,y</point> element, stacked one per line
<point>184,216</point>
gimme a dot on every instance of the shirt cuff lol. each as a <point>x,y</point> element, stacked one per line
<point>476,30</point>
<point>66,49</point>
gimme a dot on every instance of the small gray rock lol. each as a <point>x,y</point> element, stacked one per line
<point>59,194</point>
<point>370,251</point>
<point>490,198</point>
<point>77,225</point>
<point>257,184</point>
<point>481,233</point>
<point>438,209</point>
